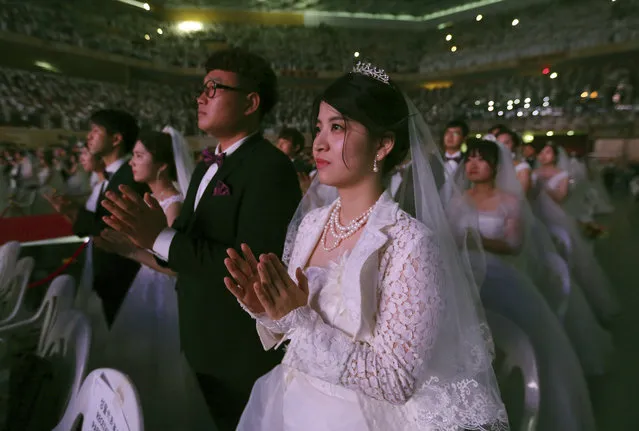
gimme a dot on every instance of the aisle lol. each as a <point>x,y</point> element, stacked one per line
<point>614,396</point>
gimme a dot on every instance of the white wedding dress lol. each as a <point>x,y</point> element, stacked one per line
<point>144,343</point>
<point>565,403</point>
<point>581,258</point>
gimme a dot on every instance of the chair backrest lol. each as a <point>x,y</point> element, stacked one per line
<point>9,253</point>
<point>68,342</point>
<point>59,297</point>
<point>519,353</point>
<point>565,243</point>
<point>560,268</point>
<point>106,396</point>
<point>12,296</point>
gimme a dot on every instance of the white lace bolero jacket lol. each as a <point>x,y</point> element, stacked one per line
<point>390,287</point>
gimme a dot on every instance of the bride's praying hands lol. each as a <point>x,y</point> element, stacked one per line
<point>264,285</point>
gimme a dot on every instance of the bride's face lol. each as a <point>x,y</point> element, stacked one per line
<point>343,149</point>
<point>546,156</point>
<point>142,165</point>
<point>478,170</point>
<point>506,140</point>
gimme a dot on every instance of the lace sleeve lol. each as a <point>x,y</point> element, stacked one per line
<point>410,305</point>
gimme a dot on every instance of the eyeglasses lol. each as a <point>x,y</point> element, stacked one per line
<point>210,88</point>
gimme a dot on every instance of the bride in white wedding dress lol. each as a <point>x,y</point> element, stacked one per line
<point>385,327</point>
<point>144,340</point>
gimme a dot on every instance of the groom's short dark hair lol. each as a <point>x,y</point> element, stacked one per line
<point>254,73</point>
<point>117,121</point>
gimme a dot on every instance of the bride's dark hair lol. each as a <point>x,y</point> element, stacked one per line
<point>487,150</point>
<point>380,107</point>
<point>160,146</point>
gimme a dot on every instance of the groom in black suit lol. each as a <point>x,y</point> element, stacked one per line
<point>244,191</point>
<point>111,137</point>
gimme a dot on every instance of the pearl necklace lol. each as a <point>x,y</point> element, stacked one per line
<point>339,232</point>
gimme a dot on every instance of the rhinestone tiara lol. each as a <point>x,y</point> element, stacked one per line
<point>372,71</point>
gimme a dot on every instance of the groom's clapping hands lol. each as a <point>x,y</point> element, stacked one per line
<point>141,219</point>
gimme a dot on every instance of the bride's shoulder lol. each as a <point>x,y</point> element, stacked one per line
<point>408,226</point>
<point>316,215</point>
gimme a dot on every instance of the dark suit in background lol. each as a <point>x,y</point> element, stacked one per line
<point>218,337</point>
<point>112,273</point>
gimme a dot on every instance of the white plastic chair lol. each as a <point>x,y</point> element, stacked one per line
<point>561,270</point>
<point>59,297</point>
<point>104,389</point>
<point>9,253</point>
<point>519,353</point>
<point>12,297</point>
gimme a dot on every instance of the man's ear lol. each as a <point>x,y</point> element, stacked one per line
<point>252,103</point>
<point>117,139</point>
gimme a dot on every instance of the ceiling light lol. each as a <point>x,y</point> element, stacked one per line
<point>356,54</point>
<point>550,133</point>
<point>147,37</point>
<point>500,113</point>
<point>146,6</point>
<point>528,138</point>
<point>491,108</point>
<point>515,22</point>
<point>453,48</point>
<point>519,114</point>
<point>190,26</point>
<point>160,31</point>
<point>527,105</point>
<point>535,113</point>
<point>527,100</point>
<point>554,75</point>
<point>449,37</point>
<point>479,17</point>
<point>570,133</point>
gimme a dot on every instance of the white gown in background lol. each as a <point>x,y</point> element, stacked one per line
<point>583,264</point>
<point>565,403</point>
<point>144,343</point>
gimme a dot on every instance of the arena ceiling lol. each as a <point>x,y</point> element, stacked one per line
<point>378,7</point>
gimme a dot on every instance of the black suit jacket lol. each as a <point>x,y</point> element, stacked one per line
<point>112,273</point>
<point>218,337</point>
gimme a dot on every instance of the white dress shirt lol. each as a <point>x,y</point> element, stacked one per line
<point>92,202</point>
<point>451,165</point>
<point>162,243</point>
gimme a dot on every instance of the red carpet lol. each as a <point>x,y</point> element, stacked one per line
<point>33,228</point>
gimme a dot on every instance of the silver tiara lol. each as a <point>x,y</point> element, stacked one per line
<point>372,71</point>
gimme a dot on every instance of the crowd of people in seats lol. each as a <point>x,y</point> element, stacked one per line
<point>542,29</point>
<point>582,96</point>
<point>375,264</point>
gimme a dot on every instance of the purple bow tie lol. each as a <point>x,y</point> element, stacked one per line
<point>209,157</point>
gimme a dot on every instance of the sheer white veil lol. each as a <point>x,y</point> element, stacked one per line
<point>184,163</point>
<point>456,388</point>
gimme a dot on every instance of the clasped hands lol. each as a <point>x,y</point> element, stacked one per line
<point>264,286</point>
<point>139,219</point>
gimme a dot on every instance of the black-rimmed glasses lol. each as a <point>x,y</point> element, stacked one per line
<point>211,87</point>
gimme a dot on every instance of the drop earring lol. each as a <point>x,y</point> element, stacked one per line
<point>375,167</point>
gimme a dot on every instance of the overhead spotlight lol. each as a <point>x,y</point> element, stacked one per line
<point>453,48</point>
<point>449,37</point>
<point>491,103</point>
<point>477,103</point>
<point>546,104</point>
<point>527,105</point>
<point>527,100</point>
<point>584,95</point>
<point>594,95</point>
<point>570,133</point>
<point>146,6</point>
<point>509,107</point>
<point>546,99</point>
<point>478,136</point>
<point>147,37</point>
<point>160,31</point>
<point>515,22</point>
<point>528,138</point>
<point>517,101</point>
<point>500,113</point>
<point>554,75</point>
<point>535,113</point>
<point>510,102</point>
<point>519,114</point>
<point>479,17</point>
<point>356,54</point>
<point>550,133</point>
<point>190,26</point>
<point>491,108</point>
